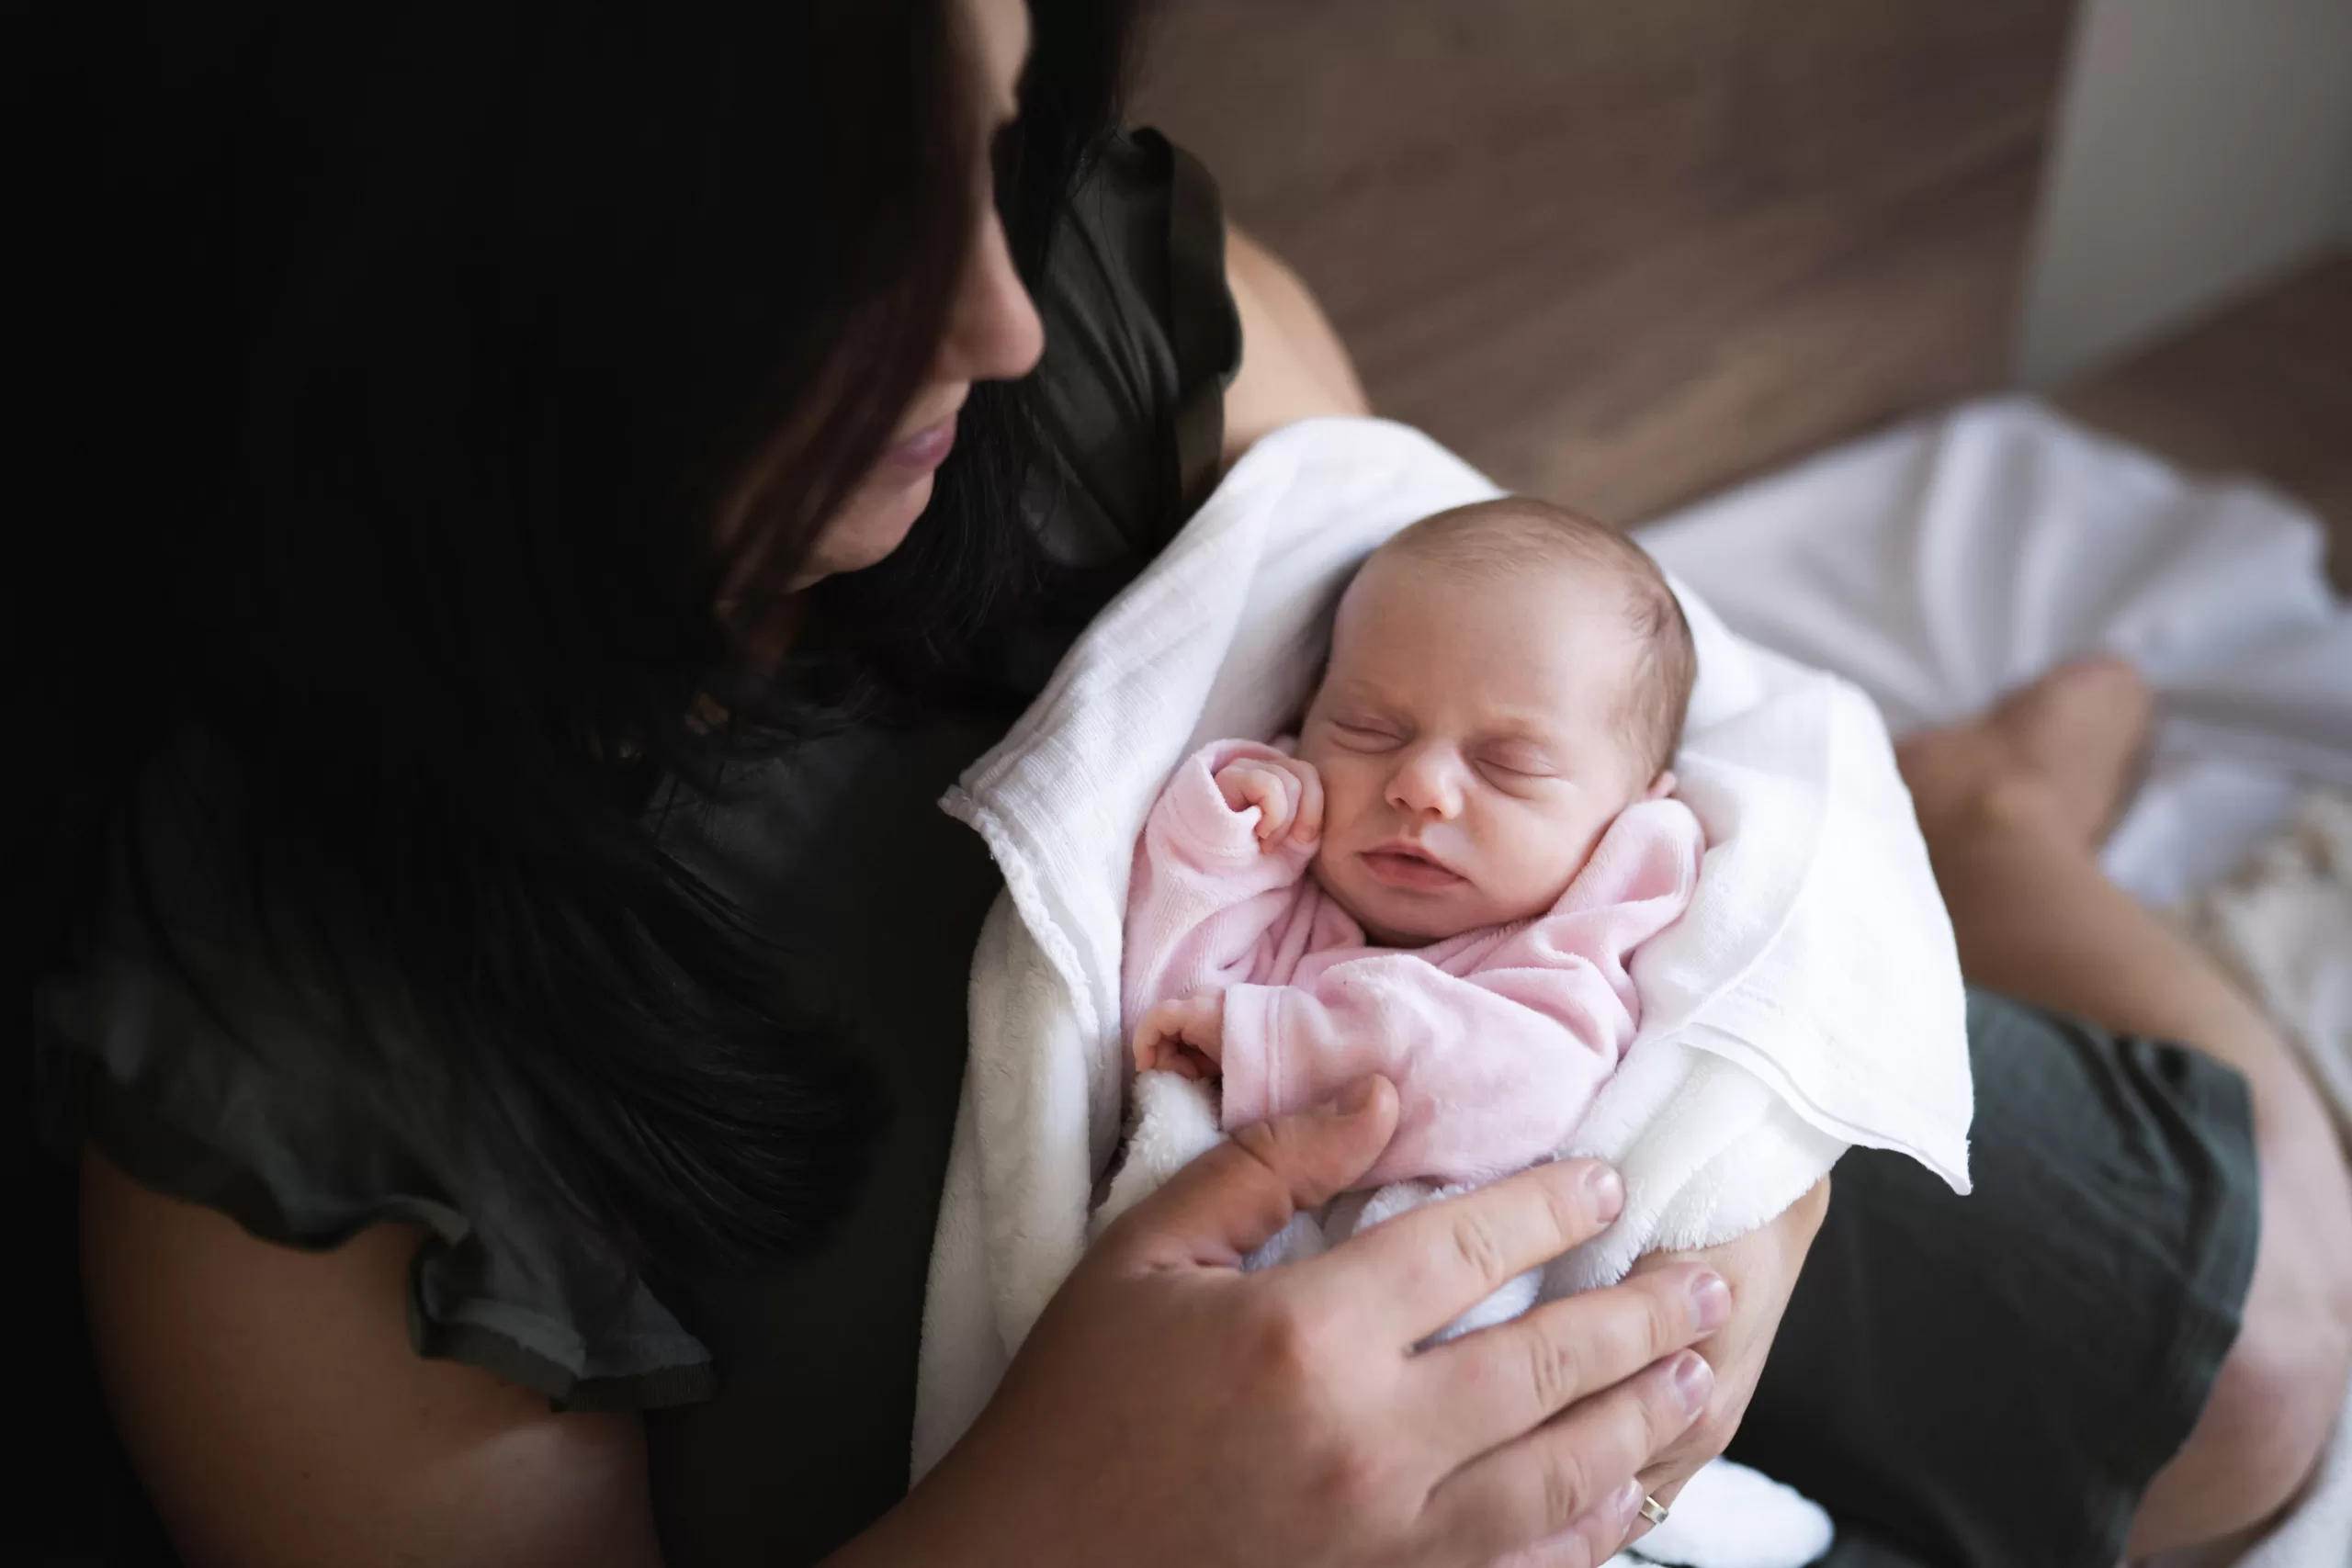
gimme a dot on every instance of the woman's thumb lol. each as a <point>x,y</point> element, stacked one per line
<point>1231,1201</point>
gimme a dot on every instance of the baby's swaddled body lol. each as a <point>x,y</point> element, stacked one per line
<point>1445,879</point>
<point>1497,1038</point>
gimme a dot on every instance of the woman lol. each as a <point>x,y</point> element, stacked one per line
<point>519,932</point>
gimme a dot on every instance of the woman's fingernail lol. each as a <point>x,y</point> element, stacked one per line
<point>1693,1380</point>
<point>1623,1504</point>
<point>1358,1096</point>
<point>1710,1301</point>
<point>1606,1188</point>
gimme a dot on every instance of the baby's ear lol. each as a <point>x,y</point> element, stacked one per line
<point>1661,786</point>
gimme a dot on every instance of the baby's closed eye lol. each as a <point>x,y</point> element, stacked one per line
<point>1365,734</point>
<point>1518,762</point>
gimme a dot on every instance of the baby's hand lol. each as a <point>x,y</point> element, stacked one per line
<point>1185,1037</point>
<point>1287,792</point>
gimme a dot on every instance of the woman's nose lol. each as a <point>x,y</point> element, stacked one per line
<point>993,333</point>
<point>1427,783</point>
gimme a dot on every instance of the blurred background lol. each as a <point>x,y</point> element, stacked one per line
<point>1623,253</point>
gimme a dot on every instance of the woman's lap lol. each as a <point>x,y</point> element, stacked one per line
<point>1993,1379</point>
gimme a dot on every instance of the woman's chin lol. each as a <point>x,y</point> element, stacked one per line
<point>869,531</point>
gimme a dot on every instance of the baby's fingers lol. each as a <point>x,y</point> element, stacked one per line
<point>1248,783</point>
<point>1275,793</point>
<point>1308,827</point>
<point>1155,1036</point>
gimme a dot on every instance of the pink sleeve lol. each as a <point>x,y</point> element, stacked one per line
<point>1204,897</point>
<point>1494,1068</point>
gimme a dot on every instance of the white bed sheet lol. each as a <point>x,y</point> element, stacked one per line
<point>1945,561</point>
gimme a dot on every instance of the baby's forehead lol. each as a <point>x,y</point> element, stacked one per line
<point>1535,643</point>
<point>1581,591</point>
<point>1551,637</point>
<point>1521,603</point>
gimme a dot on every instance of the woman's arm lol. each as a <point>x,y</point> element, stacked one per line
<point>1167,1409</point>
<point>1293,364</point>
<point>277,1413</point>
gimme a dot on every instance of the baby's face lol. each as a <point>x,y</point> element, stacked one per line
<point>1469,737</point>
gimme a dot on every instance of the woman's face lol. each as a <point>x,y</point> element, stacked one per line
<point>993,335</point>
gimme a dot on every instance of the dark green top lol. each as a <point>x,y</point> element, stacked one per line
<point>781,1406</point>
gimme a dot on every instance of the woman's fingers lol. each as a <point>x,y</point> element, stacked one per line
<point>1488,1388</point>
<point>1232,1200</point>
<point>1592,1540</point>
<point>1546,1483</point>
<point>1419,1271</point>
<point>1762,1267</point>
<point>1663,1484</point>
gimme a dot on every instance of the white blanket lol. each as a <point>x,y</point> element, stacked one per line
<point>1810,999</point>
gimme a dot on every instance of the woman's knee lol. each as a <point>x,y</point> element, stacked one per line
<point>2283,1386</point>
<point>2272,1406</point>
<point>2281,1389</point>
<point>2303,1271</point>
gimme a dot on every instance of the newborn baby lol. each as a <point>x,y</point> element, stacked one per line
<point>1444,880</point>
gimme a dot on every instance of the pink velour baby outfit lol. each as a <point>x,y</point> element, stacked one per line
<point>1497,1039</point>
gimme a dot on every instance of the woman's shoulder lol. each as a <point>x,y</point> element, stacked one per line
<point>206,1046</point>
<point>1141,338</point>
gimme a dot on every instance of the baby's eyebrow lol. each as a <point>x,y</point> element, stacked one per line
<point>1356,694</point>
<point>1519,732</point>
<point>1519,752</point>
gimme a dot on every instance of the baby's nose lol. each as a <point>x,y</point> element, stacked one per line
<point>1428,779</point>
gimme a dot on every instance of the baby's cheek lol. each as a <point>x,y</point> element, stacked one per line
<point>1343,797</point>
<point>1548,857</point>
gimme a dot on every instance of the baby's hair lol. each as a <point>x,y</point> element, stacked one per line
<point>1504,538</point>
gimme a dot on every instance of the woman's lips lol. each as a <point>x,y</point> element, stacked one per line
<point>1402,866</point>
<point>919,454</point>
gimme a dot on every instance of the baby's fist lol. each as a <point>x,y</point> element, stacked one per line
<point>1287,792</point>
<point>1185,1036</point>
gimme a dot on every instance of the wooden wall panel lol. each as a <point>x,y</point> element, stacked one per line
<point>2262,388</point>
<point>1623,252</point>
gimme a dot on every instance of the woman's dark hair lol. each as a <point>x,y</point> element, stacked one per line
<point>423,342</point>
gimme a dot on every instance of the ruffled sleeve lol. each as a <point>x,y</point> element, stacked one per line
<point>216,1080</point>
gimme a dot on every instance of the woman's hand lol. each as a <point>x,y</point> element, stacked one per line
<point>1762,1267</point>
<point>1169,1409</point>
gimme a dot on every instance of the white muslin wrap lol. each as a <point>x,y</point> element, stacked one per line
<point>1809,1000</point>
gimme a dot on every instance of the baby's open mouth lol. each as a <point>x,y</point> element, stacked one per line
<point>1407,865</point>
